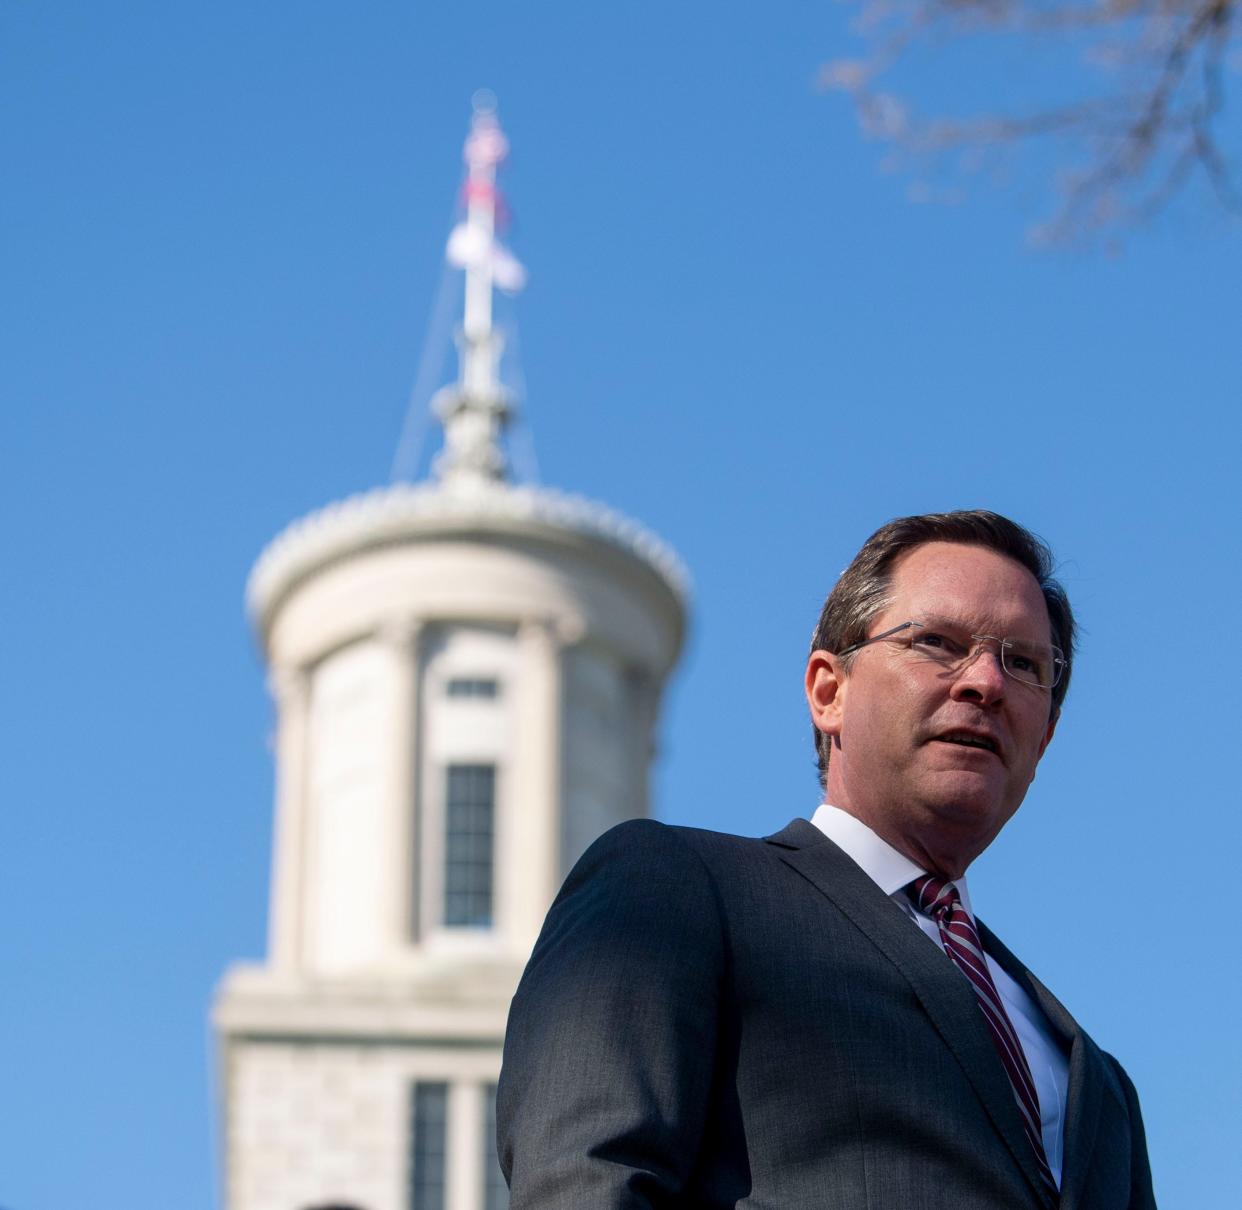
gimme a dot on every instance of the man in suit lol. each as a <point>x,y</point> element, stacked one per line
<point>816,1019</point>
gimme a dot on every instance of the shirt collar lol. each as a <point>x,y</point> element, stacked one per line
<point>889,869</point>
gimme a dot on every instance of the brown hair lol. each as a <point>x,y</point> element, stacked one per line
<point>863,589</point>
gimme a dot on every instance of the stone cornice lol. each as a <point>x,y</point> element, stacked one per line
<point>432,1005</point>
<point>403,512</point>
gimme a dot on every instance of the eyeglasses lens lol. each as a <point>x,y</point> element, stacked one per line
<point>951,645</point>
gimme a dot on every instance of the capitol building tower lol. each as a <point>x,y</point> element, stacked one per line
<point>467,675</point>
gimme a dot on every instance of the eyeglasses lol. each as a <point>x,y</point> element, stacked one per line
<point>952,646</point>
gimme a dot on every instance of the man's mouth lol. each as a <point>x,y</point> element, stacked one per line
<point>970,739</point>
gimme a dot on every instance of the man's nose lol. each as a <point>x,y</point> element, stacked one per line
<point>981,677</point>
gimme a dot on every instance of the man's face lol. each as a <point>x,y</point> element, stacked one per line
<point>899,762</point>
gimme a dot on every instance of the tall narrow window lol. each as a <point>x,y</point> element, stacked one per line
<point>472,686</point>
<point>469,816</point>
<point>428,1126</point>
<point>495,1191</point>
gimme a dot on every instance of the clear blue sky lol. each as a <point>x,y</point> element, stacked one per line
<point>222,230</point>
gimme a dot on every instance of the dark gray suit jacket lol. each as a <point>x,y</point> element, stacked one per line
<point>712,1021</point>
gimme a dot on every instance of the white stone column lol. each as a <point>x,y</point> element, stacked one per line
<point>290,689</point>
<point>464,1162</point>
<point>400,870</point>
<point>642,697</point>
<point>534,815</point>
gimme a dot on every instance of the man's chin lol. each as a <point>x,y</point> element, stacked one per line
<point>955,829</point>
<point>968,801</point>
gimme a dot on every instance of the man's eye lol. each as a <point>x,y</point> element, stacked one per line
<point>935,642</point>
<point>1032,665</point>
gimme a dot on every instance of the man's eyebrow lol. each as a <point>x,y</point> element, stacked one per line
<point>998,629</point>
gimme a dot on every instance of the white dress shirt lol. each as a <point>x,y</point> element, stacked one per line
<point>892,871</point>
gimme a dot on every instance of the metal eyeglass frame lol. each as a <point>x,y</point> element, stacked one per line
<point>1004,645</point>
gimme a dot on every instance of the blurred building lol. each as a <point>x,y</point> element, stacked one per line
<point>467,676</point>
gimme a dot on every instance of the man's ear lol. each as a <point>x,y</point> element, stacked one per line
<point>825,691</point>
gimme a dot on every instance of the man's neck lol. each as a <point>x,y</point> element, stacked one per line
<point>930,860</point>
<point>887,866</point>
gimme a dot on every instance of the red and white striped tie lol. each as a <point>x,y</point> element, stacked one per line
<point>939,899</point>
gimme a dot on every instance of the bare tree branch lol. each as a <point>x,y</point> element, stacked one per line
<point>1136,144</point>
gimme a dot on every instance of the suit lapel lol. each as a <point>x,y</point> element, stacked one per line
<point>944,994</point>
<point>1090,1079</point>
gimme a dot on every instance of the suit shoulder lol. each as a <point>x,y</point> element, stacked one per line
<point>656,828</point>
<point>1123,1078</point>
<point>1142,1196</point>
<point>639,880</point>
<point>649,837</point>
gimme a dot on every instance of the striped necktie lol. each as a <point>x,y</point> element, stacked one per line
<point>939,899</point>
